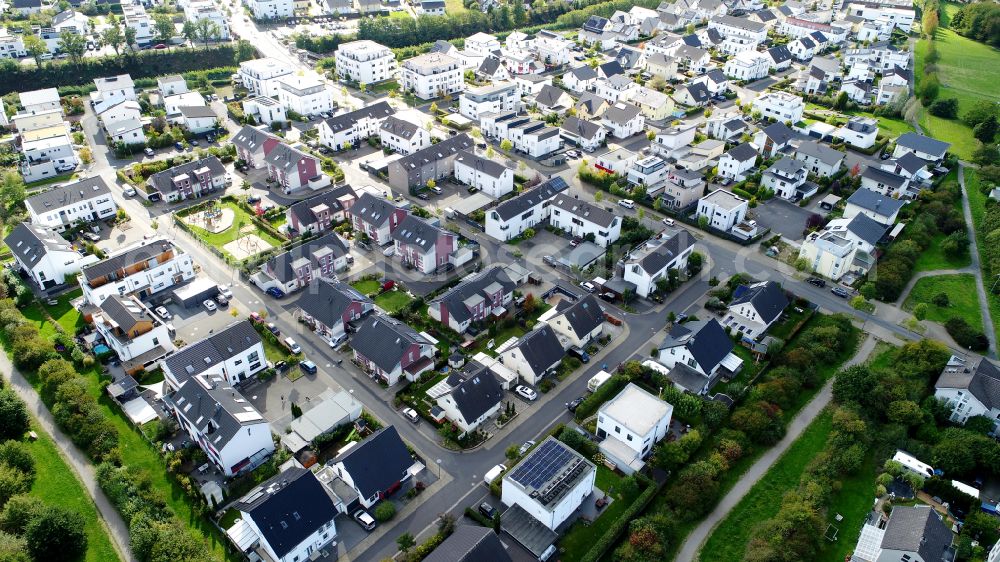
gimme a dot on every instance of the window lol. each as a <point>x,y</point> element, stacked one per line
<point>618,429</point>
<point>628,437</point>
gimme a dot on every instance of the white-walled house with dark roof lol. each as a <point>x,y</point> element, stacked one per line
<point>631,424</point>
<point>45,256</point>
<point>533,356</point>
<point>652,262</point>
<point>490,177</point>
<point>375,467</point>
<point>512,217</point>
<point>236,353</point>
<point>970,387</point>
<point>549,483</point>
<point>82,201</point>
<point>755,308</point>
<point>581,219</point>
<point>475,396</point>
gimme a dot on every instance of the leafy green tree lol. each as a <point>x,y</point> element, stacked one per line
<point>74,45</point>
<point>189,31</point>
<point>506,146</point>
<point>207,30</point>
<point>14,419</point>
<point>113,37</point>
<point>986,131</point>
<point>56,534</point>
<point>12,192</point>
<point>405,542</point>
<point>163,28</point>
<point>130,35</point>
<point>35,47</point>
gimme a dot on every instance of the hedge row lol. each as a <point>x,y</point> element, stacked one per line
<point>608,539</point>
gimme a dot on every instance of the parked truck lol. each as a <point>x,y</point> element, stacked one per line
<point>597,380</point>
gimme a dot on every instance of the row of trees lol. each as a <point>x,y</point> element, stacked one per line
<point>979,21</point>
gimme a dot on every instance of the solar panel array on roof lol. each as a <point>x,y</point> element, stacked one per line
<point>542,465</point>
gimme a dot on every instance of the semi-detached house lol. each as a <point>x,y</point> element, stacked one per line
<point>186,181</point>
<point>347,129</point>
<point>388,350</point>
<point>422,245</point>
<point>46,257</point>
<point>535,355</point>
<point>582,219</point>
<point>376,467</point>
<point>83,201</point>
<point>333,306</point>
<point>432,163</point>
<point>653,261</point>
<point>319,258</point>
<point>482,295</point>
<point>293,169</point>
<point>321,213</point>
<point>512,217</point>
<point>252,145</point>
<point>236,353</point>
<point>376,217</point>
<point>137,337</point>
<point>402,136</point>
<point>490,177</point>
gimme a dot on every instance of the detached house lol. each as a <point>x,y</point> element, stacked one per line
<point>754,308</point>
<point>582,219</point>
<point>376,467</point>
<point>535,355</point>
<point>623,120</point>
<point>478,297</point>
<point>388,349</point>
<point>320,213</point>
<point>580,78</point>
<point>422,245</point>
<point>583,133</point>
<point>780,106</point>
<point>771,139</point>
<point>874,204</point>
<point>912,533</point>
<point>376,217</point>
<point>46,257</point>
<point>83,201</point>
<point>736,163</point>
<point>885,182</point>
<point>136,336</point>
<point>236,353</point>
<point>643,268</point>
<point>820,159</point>
<point>931,150</point>
<point>320,258</point>
<point>970,388</point>
<point>186,181</point>
<point>474,396</point>
<point>333,306</point>
<point>785,177</point>
<point>697,353</point>
<point>724,210</point>
<point>348,129</point>
<point>630,425</point>
<point>403,136</point>
<point>577,324</point>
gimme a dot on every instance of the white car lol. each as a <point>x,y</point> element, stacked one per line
<point>668,222</point>
<point>130,192</point>
<point>162,312</point>
<point>389,252</point>
<point>224,291</point>
<point>588,286</point>
<point>525,392</point>
<point>627,203</point>
<point>209,305</point>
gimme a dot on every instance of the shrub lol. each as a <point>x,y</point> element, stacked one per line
<point>56,533</point>
<point>385,511</point>
<point>15,454</point>
<point>14,418</point>
<point>946,108</point>
<point>965,335</point>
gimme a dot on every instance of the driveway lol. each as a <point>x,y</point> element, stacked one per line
<point>782,217</point>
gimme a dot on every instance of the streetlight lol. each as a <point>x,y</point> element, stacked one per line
<point>438,463</point>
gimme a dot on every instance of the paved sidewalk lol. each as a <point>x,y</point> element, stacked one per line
<point>984,305</point>
<point>692,545</point>
<point>81,465</point>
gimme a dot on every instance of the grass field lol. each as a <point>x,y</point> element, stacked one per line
<point>56,484</point>
<point>452,7</point>
<point>729,539</point>
<point>933,258</point>
<point>63,313</point>
<point>977,206</point>
<point>241,219</point>
<point>962,69</point>
<point>391,301</point>
<point>961,291</point>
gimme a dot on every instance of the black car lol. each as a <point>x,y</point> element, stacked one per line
<point>280,366</point>
<point>573,405</point>
<point>487,510</point>
<point>840,292</point>
<point>816,281</point>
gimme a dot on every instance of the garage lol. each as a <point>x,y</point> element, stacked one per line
<point>194,293</point>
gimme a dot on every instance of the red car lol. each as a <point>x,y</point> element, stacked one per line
<point>159,46</point>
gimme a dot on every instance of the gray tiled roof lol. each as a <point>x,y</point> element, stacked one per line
<point>455,298</point>
<point>621,113</point>
<point>377,463</point>
<point>917,529</point>
<point>373,210</point>
<point>922,143</point>
<point>383,340</point>
<point>303,209</point>
<point>282,265</point>
<point>541,349</point>
<point>875,201</point>
<point>347,120</point>
<point>163,181</point>
<point>778,132</point>
<point>400,127</point>
<point>983,381</point>
<point>528,199</point>
<point>206,353</point>
<point>251,138</point>
<point>824,153</point>
<point>69,194</point>
<point>887,178</point>
<point>197,111</point>
<point>667,251</point>
<point>704,339</point>
<point>867,228</point>
<point>126,258</point>
<point>489,167</point>
<point>415,231</point>
<point>583,72</point>
<point>209,399</point>
<point>585,129</point>
<point>549,96</point>
<point>585,210</point>
<point>584,315</point>
<point>743,152</point>
<point>766,297</point>
<point>31,243</point>
<point>125,312</point>
<point>470,543</point>
<point>436,152</point>
<point>477,392</point>
<point>327,301</point>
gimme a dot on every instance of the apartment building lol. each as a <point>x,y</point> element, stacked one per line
<point>490,177</point>
<point>260,76</point>
<point>365,62</point>
<point>143,270</point>
<point>305,94</point>
<point>432,75</point>
<point>86,200</point>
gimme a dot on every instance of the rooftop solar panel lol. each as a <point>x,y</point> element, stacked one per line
<point>544,463</point>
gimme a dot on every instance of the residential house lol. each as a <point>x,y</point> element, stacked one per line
<point>577,324</point>
<point>265,111</point>
<point>723,209</point>
<point>321,213</point>
<point>862,231</point>
<point>423,246</point>
<point>736,163</point>
<point>700,156</point>
<point>351,128</point>
<point>266,10</point>
<point>591,106</point>
<point>235,353</point>
<point>605,33</point>
<point>583,220</point>
<point>111,90</point>
<point>185,181</point>
<point>471,543</point>
<point>682,189</point>
<point>630,425</point>
<point>490,177</point>
<point>552,496</point>
<point>874,204</point>
<point>512,217</point>
<point>320,258</point>
<point>913,533</point>
<point>714,80</point>
<point>376,217</point>
<point>741,34</point>
<point>672,141</point>
<point>365,62</point>
<point>534,355</point>
<point>580,79</point>
<point>692,94</point>
<point>432,75</point>
<point>482,295</point>
<point>651,263</point>
<point>143,269</point>
<point>533,138</point>
<point>820,159</point>
<point>474,396</point>
<point>430,8</point>
<point>388,349</point>
<point>931,150</point>
<point>755,308</point>
<point>885,182</point>
<point>583,133</point>
<point>136,336</point>
<point>697,354</point>
<point>693,59</point>
<point>495,98</point>
<point>661,65</point>
<point>969,388</point>
<point>803,48</point>
<point>771,139</point>
<point>252,145</point>
<point>45,256</point>
<point>288,517</point>
<point>616,88</point>
<point>553,100</point>
<point>551,47</point>
<point>305,94</point>
<point>780,57</point>
<point>748,66</point>
<point>198,120</point>
<point>785,177</point>
<point>404,137</point>
<point>654,105</point>
<point>780,106</point>
<point>233,434</point>
<point>432,163</point>
<point>860,132</point>
<point>83,201</point>
<point>493,70</point>
<point>623,120</point>
<point>650,171</point>
<point>292,169</point>
<point>375,467</point>
<point>261,76</point>
<point>332,306</point>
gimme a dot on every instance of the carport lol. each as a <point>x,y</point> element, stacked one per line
<point>192,294</point>
<point>528,531</point>
<point>582,256</point>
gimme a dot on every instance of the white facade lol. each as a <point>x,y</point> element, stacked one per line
<point>723,209</point>
<point>740,34</point>
<point>469,171</point>
<point>87,203</point>
<point>271,9</point>
<point>553,514</point>
<point>828,254</point>
<point>633,421</point>
<point>260,76</point>
<point>130,346</point>
<point>45,256</point>
<point>644,271</point>
<point>157,275</point>
<point>432,75</point>
<point>780,106</point>
<point>136,18</point>
<point>581,219</point>
<point>264,110</point>
<point>731,167</point>
<point>861,132</point>
<point>495,98</point>
<point>747,66</point>
<point>365,62</point>
<point>415,138</point>
<point>304,94</point>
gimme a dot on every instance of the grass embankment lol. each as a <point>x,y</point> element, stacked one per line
<point>963,300</point>
<point>977,207</point>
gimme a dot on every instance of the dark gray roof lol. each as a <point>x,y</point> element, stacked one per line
<point>875,201</point>
<point>585,129</point>
<point>470,543</point>
<point>739,23</point>
<point>197,111</point>
<point>687,378</point>
<point>125,312</point>
<point>585,210</point>
<point>282,265</point>
<point>735,124</point>
<point>704,339</point>
<point>884,177</point>
<point>210,404</point>
<point>786,167</point>
<point>818,37</point>
<point>779,133</point>
<point>163,181</point>
<point>545,191</point>
<point>595,24</point>
<point>807,42</point>
<point>124,259</point>
<point>346,121</point>
<point>867,228</point>
<point>327,301</point>
<point>743,152</point>
<point>590,102</point>
<point>415,231</point>
<point>766,297</point>
<point>455,298</point>
<point>824,153</point>
<point>489,167</point>
<point>383,340</point>
<point>489,66</point>
<point>611,68</point>
<point>584,315</point>
<point>911,163</point>
<point>628,57</point>
<point>377,463</point>
<point>549,96</point>
<point>288,507</point>
<point>765,15</point>
<point>69,194</point>
<point>399,127</point>
<point>541,349</point>
<point>477,392</point>
<point>30,243</point>
<point>285,156</point>
<point>780,54</point>
<point>714,36</point>
<point>692,40</point>
<point>204,354</point>
<point>698,92</point>
<point>983,381</point>
<point>667,251</point>
<point>583,72</point>
<point>621,113</point>
<point>917,529</point>
<point>373,210</point>
<point>435,152</point>
<point>251,138</point>
<point>922,143</point>
<point>303,209</point>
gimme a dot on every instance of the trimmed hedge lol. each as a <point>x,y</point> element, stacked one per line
<point>606,541</point>
<point>590,405</point>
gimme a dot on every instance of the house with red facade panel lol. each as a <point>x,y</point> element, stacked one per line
<point>293,169</point>
<point>332,306</point>
<point>484,295</point>
<point>320,258</point>
<point>187,181</point>
<point>422,245</point>
<point>252,145</point>
<point>321,213</point>
<point>389,349</point>
<point>376,217</point>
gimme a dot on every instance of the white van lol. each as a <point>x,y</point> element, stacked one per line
<point>493,473</point>
<point>292,346</point>
<point>627,203</point>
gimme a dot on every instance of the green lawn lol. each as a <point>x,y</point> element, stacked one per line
<point>933,258</point>
<point>728,540</point>
<point>391,301</point>
<point>977,206</point>
<point>367,286</point>
<point>63,313</point>
<point>580,538</point>
<point>853,502</point>
<point>963,72</point>
<point>220,239</point>
<point>750,370</point>
<point>961,290</point>
<point>56,483</point>
<point>452,7</point>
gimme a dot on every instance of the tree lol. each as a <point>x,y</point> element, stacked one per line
<point>405,542</point>
<point>941,299</point>
<point>841,102</point>
<point>431,184</point>
<point>506,146</point>
<point>73,44</point>
<point>986,131</point>
<point>189,31</point>
<point>14,420</point>
<point>434,108</point>
<point>946,108</point>
<point>163,28</point>
<point>920,311</point>
<point>15,454</point>
<point>244,51</point>
<point>206,30</point>
<point>35,47</point>
<point>130,35</point>
<point>12,192</point>
<point>56,533</point>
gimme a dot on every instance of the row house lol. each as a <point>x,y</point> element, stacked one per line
<point>435,162</point>
<point>581,219</point>
<point>741,34</point>
<point>144,269</point>
<point>319,258</point>
<point>402,136</point>
<point>264,111</point>
<point>82,201</point>
<point>490,177</point>
<point>748,66</point>
<point>534,138</point>
<point>376,217</point>
<point>423,246</point>
<point>351,128</point>
<point>321,213</point>
<point>332,307</point>
<point>583,133</point>
<point>654,260</point>
<point>483,295</point>
<point>185,181</point>
<point>293,169</point>
<point>389,350</point>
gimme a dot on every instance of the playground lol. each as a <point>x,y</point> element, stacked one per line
<point>229,228</point>
<point>214,220</point>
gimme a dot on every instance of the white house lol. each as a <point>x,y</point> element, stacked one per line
<point>402,136</point>
<point>820,159</point>
<point>740,34</point>
<point>671,141</point>
<point>631,424</point>
<point>111,90</point>
<point>623,120</point>
<point>860,132</point>
<point>755,308</point>
<point>931,150</point>
<point>736,163</point>
<point>287,518</point>
<point>264,110</point>
<point>576,324</point>
<point>494,98</point>
<point>581,219</point>
<point>747,66</point>
<point>83,201</point>
<point>551,48</point>
<point>912,533</point>
<point>780,106</point>
<point>650,171</point>
<point>236,352</point>
<point>305,94</point>
<point>198,119</point>
<point>969,388</point>
<point>829,254</point>
<point>231,432</point>
<point>583,133</point>
<point>534,355</point>
<point>136,336</point>
<point>474,396</point>
<point>136,18</point>
<point>647,265</point>
<point>534,138</point>
<point>580,78</point>
<point>784,177</point>
<point>551,499</point>
<point>615,88</point>
<point>45,256</point>
<point>512,217</point>
<point>260,76</point>
<point>887,183</point>
<point>490,177</point>
<point>347,129</point>
<point>263,10</point>
<point>365,62</point>
<point>432,75</point>
<point>696,353</point>
<point>143,269</point>
<point>723,209</point>
<point>171,85</point>
<point>375,467</point>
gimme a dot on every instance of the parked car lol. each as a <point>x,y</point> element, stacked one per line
<point>549,260</point>
<point>224,291</point>
<point>487,510</point>
<point>179,145</point>
<point>308,366</point>
<point>524,447</point>
<point>366,521</point>
<point>389,252</point>
<point>91,236</point>
<point>816,281</point>
<point>221,300</point>
<point>588,286</point>
<point>575,242</point>
<point>840,292</point>
<point>572,405</point>
<point>148,152</point>
<point>436,190</point>
<point>580,353</point>
<point>275,292</point>
<point>163,313</point>
<point>525,392</point>
<point>209,305</point>
<point>411,415</point>
<point>668,222</point>
<point>130,192</point>
<point>627,203</point>
<point>423,196</point>
<point>272,328</point>
<point>292,346</point>
<point>253,199</point>
<point>280,366</point>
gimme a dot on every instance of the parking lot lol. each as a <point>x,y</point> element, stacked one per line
<point>782,217</point>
